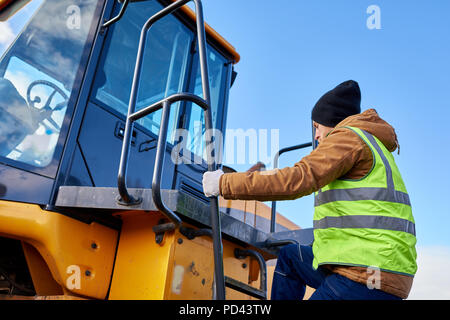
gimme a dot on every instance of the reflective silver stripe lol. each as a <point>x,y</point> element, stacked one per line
<point>366,222</point>
<point>389,178</point>
<point>354,194</point>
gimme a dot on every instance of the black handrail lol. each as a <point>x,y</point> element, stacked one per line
<point>262,266</point>
<point>125,197</point>
<point>275,165</point>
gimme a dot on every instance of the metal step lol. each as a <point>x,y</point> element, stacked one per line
<point>260,293</point>
<point>245,288</point>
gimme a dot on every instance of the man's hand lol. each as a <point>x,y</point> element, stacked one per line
<point>211,183</point>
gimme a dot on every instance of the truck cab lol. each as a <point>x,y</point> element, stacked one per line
<point>65,91</point>
<point>67,69</point>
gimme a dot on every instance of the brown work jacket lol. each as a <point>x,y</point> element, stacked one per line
<point>341,154</point>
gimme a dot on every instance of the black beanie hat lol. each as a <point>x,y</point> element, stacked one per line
<point>338,104</point>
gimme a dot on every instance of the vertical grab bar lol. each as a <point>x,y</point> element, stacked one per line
<point>126,198</point>
<point>273,217</point>
<point>219,276</point>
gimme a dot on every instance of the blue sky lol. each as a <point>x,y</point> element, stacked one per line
<point>294,51</point>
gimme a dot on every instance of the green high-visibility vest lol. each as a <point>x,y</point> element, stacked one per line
<point>366,222</point>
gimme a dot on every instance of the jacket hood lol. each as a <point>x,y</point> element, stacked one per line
<point>372,123</point>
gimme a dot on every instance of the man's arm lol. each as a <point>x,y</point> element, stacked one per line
<point>335,156</point>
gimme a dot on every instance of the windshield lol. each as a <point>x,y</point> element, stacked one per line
<point>41,48</point>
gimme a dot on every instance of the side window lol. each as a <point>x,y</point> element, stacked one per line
<point>164,66</point>
<point>196,126</point>
<point>42,52</point>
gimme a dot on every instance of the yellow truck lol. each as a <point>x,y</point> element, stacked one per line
<point>107,118</point>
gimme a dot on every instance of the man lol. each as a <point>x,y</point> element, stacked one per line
<point>364,231</point>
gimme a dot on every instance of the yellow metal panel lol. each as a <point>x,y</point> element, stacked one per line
<point>65,245</point>
<point>142,265</point>
<point>60,297</point>
<point>4,3</point>
<point>235,268</point>
<point>192,267</point>
<point>43,281</point>
<point>250,212</point>
<point>8,8</point>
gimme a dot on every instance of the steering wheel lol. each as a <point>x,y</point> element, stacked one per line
<point>45,113</point>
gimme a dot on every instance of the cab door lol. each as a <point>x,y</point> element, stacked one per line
<point>166,70</point>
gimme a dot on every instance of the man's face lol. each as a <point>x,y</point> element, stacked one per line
<point>321,131</point>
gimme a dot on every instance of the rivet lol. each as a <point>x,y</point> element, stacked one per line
<point>244,265</point>
<point>87,273</point>
<point>180,241</point>
<point>94,245</point>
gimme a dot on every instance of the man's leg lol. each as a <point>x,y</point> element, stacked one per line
<point>293,272</point>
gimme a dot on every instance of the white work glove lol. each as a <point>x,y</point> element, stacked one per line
<point>211,181</point>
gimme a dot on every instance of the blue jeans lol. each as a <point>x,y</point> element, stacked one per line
<point>294,271</point>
